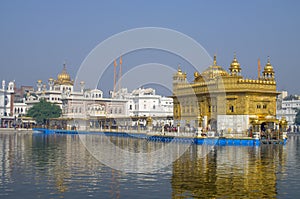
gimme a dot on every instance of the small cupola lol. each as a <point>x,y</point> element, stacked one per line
<point>268,72</point>
<point>235,68</point>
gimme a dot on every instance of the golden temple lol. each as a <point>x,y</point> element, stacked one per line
<point>226,101</point>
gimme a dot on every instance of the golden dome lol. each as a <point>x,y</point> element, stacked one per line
<point>268,68</point>
<point>179,71</point>
<point>214,70</point>
<point>179,75</point>
<point>235,66</point>
<point>268,72</point>
<point>64,77</point>
<point>198,77</point>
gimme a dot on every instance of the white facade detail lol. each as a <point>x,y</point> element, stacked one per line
<point>144,102</point>
<point>233,124</point>
<point>87,108</point>
<point>6,99</point>
<point>287,107</point>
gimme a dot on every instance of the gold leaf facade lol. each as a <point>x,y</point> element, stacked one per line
<point>225,101</point>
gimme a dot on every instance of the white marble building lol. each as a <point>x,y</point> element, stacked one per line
<point>88,109</point>
<point>6,99</point>
<point>288,107</point>
<point>6,104</point>
<point>144,102</point>
<point>53,93</point>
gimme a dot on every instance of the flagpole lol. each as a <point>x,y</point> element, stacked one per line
<point>120,73</point>
<point>115,74</point>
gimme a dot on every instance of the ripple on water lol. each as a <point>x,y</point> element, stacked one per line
<point>55,166</point>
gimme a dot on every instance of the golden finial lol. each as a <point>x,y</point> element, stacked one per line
<point>215,60</point>
<point>268,65</point>
<point>179,69</point>
<point>65,67</point>
<point>268,61</point>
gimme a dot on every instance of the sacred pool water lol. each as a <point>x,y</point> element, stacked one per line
<point>60,166</point>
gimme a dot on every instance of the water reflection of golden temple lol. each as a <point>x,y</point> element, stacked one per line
<point>226,101</point>
<point>228,172</point>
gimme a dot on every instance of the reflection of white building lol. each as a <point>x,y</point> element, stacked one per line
<point>287,107</point>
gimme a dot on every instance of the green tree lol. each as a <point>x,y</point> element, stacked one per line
<point>43,111</point>
<point>297,119</point>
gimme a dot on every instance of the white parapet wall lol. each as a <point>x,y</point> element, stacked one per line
<point>233,124</point>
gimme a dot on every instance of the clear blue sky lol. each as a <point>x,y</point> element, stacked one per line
<point>36,37</point>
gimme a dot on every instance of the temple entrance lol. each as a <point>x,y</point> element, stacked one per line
<point>212,124</point>
<point>263,126</point>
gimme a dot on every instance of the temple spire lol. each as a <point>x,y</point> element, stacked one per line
<point>268,72</point>
<point>65,66</point>
<point>235,68</point>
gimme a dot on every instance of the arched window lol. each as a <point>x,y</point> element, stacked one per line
<point>231,108</point>
<point>258,106</point>
<point>264,106</point>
